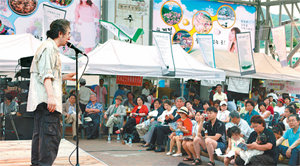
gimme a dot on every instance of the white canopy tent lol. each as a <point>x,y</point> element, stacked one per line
<point>14,47</point>
<point>121,58</point>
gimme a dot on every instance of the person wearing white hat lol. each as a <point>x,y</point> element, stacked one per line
<point>223,114</point>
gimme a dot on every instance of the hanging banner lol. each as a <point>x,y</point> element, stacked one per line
<point>162,41</point>
<point>245,53</point>
<point>279,41</point>
<point>34,17</point>
<point>130,80</point>
<point>187,18</point>
<point>205,42</point>
<point>238,84</point>
<point>283,86</point>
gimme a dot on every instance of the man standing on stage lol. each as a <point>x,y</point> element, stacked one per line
<point>45,94</point>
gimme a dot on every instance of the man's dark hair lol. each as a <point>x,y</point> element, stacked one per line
<point>159,101</point>
<point>262,103</point>
<point>234,114</point>
<point>167,101</point>
<point>287,97</point>
<point>59,25</point>
<point>250,102</point>
<point>291,109</point>
<point>102,79</point>
<point>258,119</point>
<point>233,130</point>
<point>197,97</point>
<point>9,97</point>
<point>130,93</point>
<point>188,102</point>
<point>218,85</point>
<point>153,91</point>
<point>296,116</point>
<point>277,130</point>
<point>216,102</point>
<point>205,102</point>
<point>72,95</point>
<point>212,109</point>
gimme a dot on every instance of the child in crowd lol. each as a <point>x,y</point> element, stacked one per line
<point>246,154</point>
<point>234,134</point>
<point>176,133</point>
<point>277,130</point>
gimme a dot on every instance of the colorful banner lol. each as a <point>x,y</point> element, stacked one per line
<point>28,17</point>
<point>130,80</point>
<point>205,42</point>
<point>245,53</point>
<point>162,41</point>
<point>279,41</point>
<point>283,86</point>
<point>186,18</point>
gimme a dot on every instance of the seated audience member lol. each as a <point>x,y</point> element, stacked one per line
<point>129,102</point>
<point>94,111</point>
<point>69,111</point>
<point>197,103</point>
<point>164,98</point>
<point>246,155</point>
<point>243,110</point>
<point>192,111</point>
<point>136,115</point>
<point>188,145</point>
<point>142,128</point>
<point>114,114</point>
<point>264,113</point>
<point>292,135</point>
<point>287,112</point>
<point>84,95</point>
<point>205,106</point>
<point>251,112</point>
<point>236,120</point>
<point>269,155</point>
<point>234,135</point>
<point>181,132</point>
<point>160,132</point>
<point>211,135</point>
<point>9,105</point>
<point>287,101</point>
<point>219,95</point>
<point>223,114</point>
<point>272,101</point>
<point>279,107</point>
<point>268,106</point>
<point>152,96</point>
<point>216,104</point>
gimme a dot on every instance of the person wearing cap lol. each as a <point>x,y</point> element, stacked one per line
<point>280,107</point>
<point>223,114</point>
<point>84,95</point>
<point>114,114</point>
<point>211,135</point>
<point>251,112</point>
<point>219,95</point>
<point>186,129</point>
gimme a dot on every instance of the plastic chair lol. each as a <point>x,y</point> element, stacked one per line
<point>65,125</point>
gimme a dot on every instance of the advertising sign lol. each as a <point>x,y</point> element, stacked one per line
<point>31,16</point>
<point>279,40</point>
<point>130,80</point>
<point>245,53</point>
<point>187,18</point>
<point>206,45</point>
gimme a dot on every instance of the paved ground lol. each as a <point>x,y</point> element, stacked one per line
<point>116,154</point>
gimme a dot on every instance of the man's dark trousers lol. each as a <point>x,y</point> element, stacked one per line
<point>46,136</point>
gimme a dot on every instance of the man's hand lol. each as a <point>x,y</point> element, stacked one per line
<point>167,117</point>
<point>105,116</point>
<point>252,146</point>
<point>69,77</point>
<point>171,116</point>
<point>68,115</point>
<point>152,120</point>
<point>51,104</point>
<point>288,153</point>
<point>116,115</point>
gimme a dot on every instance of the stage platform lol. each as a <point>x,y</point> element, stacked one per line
<point>18,153</point>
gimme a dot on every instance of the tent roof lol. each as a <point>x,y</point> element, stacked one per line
<point>121,58</point>
<point>266,66</point>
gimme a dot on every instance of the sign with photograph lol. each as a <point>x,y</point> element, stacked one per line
<point>245,53</point>
<point>279,40</point>
<point>187,18</point>
<point>206,45</point>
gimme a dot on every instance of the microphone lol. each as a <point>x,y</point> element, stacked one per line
<point>77,50</point>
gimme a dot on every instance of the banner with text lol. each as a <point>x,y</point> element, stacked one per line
<point>245,53</point>
<point>238,84</point>
<point>205,42</point>
<point>130,80</point>
<point>279,40</point>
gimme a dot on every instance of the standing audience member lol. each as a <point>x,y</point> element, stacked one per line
<point>292,135</point>
<point>219,95</point>
<point>146,90</point>
<point>269,155</point>
<point>129,102</point>
<point>93,110</point>
<point>119,92</point>
<point>197,103</point>
<point>216,104</point>
<point>84,95</point>
<point>114,114</point>
<point>210,136</point>
<point>69,111</point>
<point>223,114</point>
<point>251,112</point>
<point>101,92</point>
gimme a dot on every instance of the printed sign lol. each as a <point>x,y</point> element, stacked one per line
<point>279,40</point>
<point>130,80</point>
<point>205,42</point>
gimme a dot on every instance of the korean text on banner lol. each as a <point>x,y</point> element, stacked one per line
<point>130,80</point>
<point>279,40</point>
<point>237,84</point>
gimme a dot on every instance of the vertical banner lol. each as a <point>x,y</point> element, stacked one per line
<point>163,43</point>
<point>245,53</point>
<point>279,40</point>
<point>205,42</point>
<point>50,14</point>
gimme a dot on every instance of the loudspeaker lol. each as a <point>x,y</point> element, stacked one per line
<point>23,125</point>
<point>26,61</point>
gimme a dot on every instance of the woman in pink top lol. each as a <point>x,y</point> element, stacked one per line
<point>86,18</point>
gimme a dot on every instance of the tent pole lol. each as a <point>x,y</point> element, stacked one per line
<point>182,87</point>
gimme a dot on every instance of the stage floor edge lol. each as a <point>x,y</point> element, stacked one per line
<point>18,153</point>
